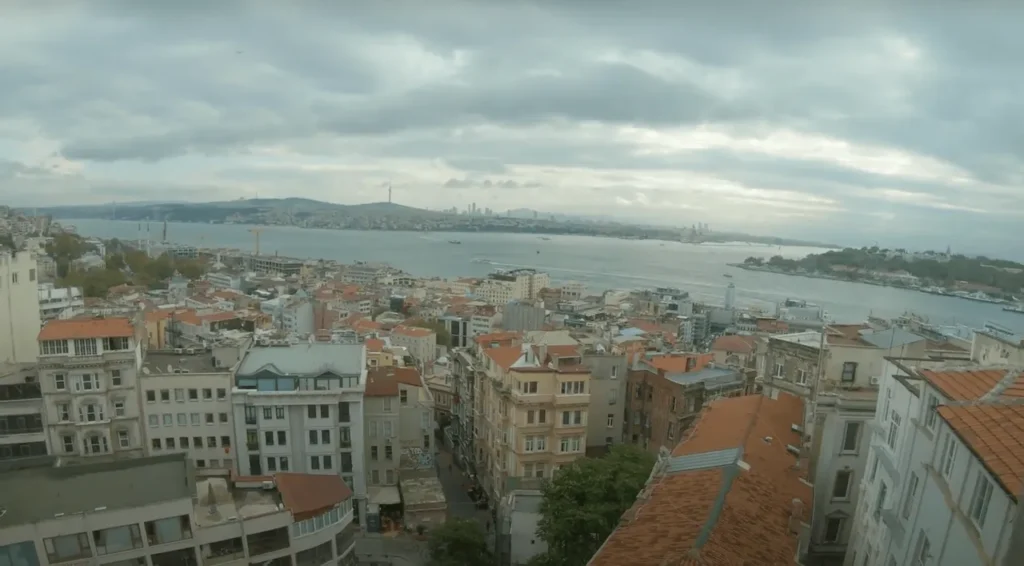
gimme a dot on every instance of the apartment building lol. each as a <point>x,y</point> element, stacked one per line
<point>88,374</point>
<point>378,354</point>
<point>421,343</point>
<point>729,493</point>
<point>440,387</point>
<point>735,351</point>
<point>272,264</point>
<point>154,511</point>
<point>186,407</point>
<point>522,317</point>
<point>608,378</point>
<point>399,431</point>
<point>484,320</point>
<point>366,274</point>
<point>991,347</point>
<point>59,302</point>
<point>945,472</point>
<point>19,307</point>
<point>299,408</point>
<point>22,433</point>
<point>532,414</point>
<point>664,393</point>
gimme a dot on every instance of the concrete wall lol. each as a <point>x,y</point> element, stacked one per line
<point>19,307</point>
<point>607,398</point>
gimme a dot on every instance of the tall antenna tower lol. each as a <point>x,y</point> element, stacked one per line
<point>389,192</point>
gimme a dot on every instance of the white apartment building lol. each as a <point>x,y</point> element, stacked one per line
<point>990,347</point>
<point>299,408</point>
<point>22,433</point>
<point>502,287</point>
<point>155,511</point>
<point>421,343</point>
<point>186,407</point>
<point>19,307</point>
<point>945,472</point>
<point>88,373</point>
<point>59,302</point>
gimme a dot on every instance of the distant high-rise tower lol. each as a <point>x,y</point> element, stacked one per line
<point>389,192</point>
<point>730,296</point>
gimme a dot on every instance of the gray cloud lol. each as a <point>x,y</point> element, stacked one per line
<point>843,119</point>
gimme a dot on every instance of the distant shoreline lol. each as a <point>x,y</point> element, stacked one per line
<point>455,230</point>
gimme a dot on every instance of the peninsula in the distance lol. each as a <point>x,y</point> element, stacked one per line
<point>307,213</point>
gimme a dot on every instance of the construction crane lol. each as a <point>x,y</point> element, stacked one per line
<point>257,231</point>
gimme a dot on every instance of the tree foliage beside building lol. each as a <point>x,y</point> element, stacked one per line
<point>459,542</point>
<point>582,504</point>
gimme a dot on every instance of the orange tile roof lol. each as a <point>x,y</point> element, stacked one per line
<point>846,335</point>
<point>374,345</point>
<point>383,382</point>
<point>485,339</point>
<point>666,523</point>
<point>158,315</point>
<point>971,384</point>
<point>504,356</point>
<point>114,327</point>
<point>412,331</point>
<point>676,363</point>
<point>735,343</point>
<point>995,433</point>
<point>309,495</point>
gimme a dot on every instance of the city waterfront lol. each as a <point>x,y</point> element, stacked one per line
<point>601,263</point>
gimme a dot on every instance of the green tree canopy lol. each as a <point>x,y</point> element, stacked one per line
<point>459,542</point>
<point>582,504</point>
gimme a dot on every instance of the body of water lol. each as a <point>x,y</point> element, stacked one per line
<point>601,263</point>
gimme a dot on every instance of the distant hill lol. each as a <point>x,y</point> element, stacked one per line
<point>220,210</point>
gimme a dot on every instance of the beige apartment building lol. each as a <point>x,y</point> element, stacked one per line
<point>421,343</point>
<point>531,414</point>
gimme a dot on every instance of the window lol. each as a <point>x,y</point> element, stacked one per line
<point>207,394</point>
<point>268,413</point>
<point>851,436</point>
<point>387,404</point>
<point>801,377</point>
<point>168,419</point>
<point>908,500</point>
<point>615,371</point>
<point>223,417</point>
<point>530,416</point>
<point>948,455</point>
<point>156,444</point>
<point>573,388</point>
<point>115,344</point>
<point>197,441</point>
<point>119,410</point>
<point>211,441</point>
<point>874,470</point>
<point>96,444</point>
<point>31,275</point>
<point>611,420</point>
<point>779,371</point>
<point>222,394</point>
<point>53,347</point>
<point>151,396</point>
<point>373,429</point>
<point>284,463</point>
<point>90,413</point>
<point>923,550</point>
<point>165,395</point>
<point>325,436</point>
<point>386,429</point>
<point>169,443</point>
<point>85,347</point>
<point>403,397</point>
<point>193,394</point>
<point>883,491</point>
<point>325,411</point>
<point>14,278</point>
<point>314,462</point>
<point>841,487</point>
<point>225,441</point>
<point>60,381</point>
<point>64,412</point>
<point>268,438</point>
<point>389,453</point>
<point>194,419</point>
<point>182,419</point>
<point>569,444</point>
<point>374,477</point>
<point>311,411</point>
<point>894,430</point>
<point>980,499</point>
<point>833,529</point>
<point>389,476</point>
<point>279,411</point>
<point>271,464</point>
<point>115,378</point>
<point>572,418</point>
<point>171,529</point>
<point>210,419</point>
<point>327,462</point>
<point>183,441</point>
<point>87,382</point>
<point>374,453</point>
<point>179,395</point>
<point>69,443</point>
<point>931,416</point>
<point>281,438</point>
<point>122,439</point>
<point>154,420</point>
<point>67,548</point>
<point>849,371</point>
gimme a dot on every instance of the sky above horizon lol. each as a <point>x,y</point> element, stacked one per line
<point>901,125</point>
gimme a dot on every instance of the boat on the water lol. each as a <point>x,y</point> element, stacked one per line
<point>727,275</point>
<point>1019,309</point>
<point>454,241</point>
<point>481,260</point>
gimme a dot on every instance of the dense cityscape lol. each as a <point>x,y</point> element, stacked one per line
<point>167,404</point>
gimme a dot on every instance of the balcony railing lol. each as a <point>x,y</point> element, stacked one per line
<point>25,430</point>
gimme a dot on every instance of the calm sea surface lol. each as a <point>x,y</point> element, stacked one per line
<point>601,263</point>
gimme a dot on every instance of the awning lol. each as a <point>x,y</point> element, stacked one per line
<point>383,495</point>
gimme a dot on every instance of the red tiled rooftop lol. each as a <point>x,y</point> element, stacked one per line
<point>500,337</point>
<point>971,384</point>
<point>504,356</point>
<point>374,345</point>
<point>995,433</point>
<point>753,527</point>
<point>412,331</point>
<point>735,343</point>
<point>114,327</point>
<point>309,495</point>
<point>383,382</point>
<point>675,363</point>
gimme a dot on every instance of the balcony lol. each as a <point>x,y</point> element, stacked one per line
<point>252,446</point>
<point>20,392</point>
<point>568,400</point>
<point>223,551</point>
<point>268,541</point>
<point>183,557</point>
<point>532,398</point>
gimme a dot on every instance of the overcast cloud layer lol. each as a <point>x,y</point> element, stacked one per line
<point>900,126</point>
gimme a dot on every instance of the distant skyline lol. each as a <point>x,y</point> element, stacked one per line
<point>893,122</point>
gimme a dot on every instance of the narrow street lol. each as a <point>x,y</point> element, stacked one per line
<point>456,485</point>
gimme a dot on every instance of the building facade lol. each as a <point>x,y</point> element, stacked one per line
<point>421,343</point>
<point>608,377</point>
<point>155,511</point>
<point>88,375</point>
<point>59,302</point>
<point>19,307</point>
<point>299,408</point>
<point>22,433</point>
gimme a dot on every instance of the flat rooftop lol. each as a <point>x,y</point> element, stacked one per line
<point>166,362</point>
<point>39,489</point>
<point>216,502</point>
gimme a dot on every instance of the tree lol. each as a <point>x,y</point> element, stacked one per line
<point>459,542</point>
<point>444,338</point>
<point>582,504</point>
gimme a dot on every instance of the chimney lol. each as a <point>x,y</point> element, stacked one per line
<point>796,516</point>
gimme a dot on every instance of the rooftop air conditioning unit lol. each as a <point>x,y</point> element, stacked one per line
<point>178,351</point>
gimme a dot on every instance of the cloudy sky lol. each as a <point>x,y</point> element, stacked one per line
<point>900,126</point>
